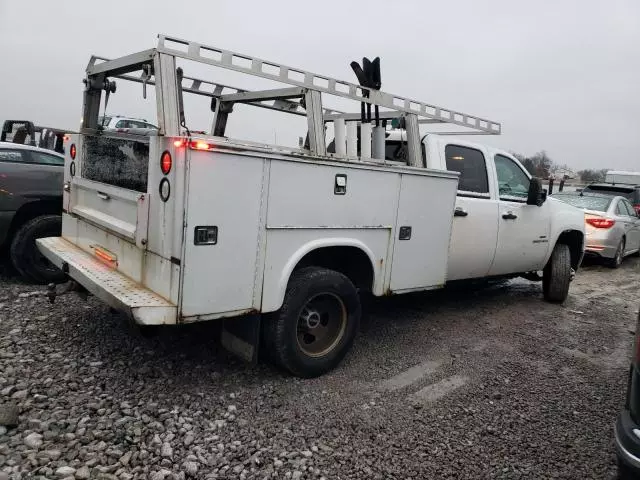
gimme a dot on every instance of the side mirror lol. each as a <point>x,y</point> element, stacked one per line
<point>536,195</point>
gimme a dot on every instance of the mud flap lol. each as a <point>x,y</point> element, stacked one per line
<point>241,336</point>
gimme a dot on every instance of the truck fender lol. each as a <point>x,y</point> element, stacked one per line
<point>564,220</point>
<point>273,297</point>
<point>577,249</point>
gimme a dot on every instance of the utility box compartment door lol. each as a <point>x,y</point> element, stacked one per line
<point>223,223</point>
<point>422,233</point>
<point>308,195</point>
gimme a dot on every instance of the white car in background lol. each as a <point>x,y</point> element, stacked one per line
<point>122,124</point>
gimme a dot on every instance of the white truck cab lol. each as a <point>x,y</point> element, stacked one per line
<point>173,227</point>
<point>495,231</point>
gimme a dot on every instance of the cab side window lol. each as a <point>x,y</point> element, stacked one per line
<point>471,165</point>
<point>513,183</point>
<point>46,159</point>
<point>12,156</point>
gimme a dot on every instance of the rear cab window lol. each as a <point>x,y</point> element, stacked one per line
<point>395,151</point>
<point>471,165</point>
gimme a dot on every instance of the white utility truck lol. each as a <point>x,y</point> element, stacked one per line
<point>174,227</point>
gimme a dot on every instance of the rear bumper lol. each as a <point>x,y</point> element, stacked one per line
<point>627,442</point>
<point>600,243</point>
<point>595,251</point>
<point>111,286</point>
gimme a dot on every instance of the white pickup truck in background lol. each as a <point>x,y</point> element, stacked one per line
<point>172,227</point>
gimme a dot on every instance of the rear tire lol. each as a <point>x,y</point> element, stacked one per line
<point>616,261</point>
<point>317,324</point>
<point>25,256</point>
<point>557,275</point>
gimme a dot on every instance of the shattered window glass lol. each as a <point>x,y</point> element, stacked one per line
<point>119,162</point>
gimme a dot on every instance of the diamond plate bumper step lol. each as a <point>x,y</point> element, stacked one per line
<point>106,283</point>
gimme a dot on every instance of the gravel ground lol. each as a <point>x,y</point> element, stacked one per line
<point>466,383</point>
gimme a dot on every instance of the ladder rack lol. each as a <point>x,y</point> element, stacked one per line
<point>210,89</point>
<point>321,83</point>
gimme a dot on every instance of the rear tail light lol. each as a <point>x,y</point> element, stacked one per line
<point>636,207</point>
<point>165,162</point>
<point>601,222</point>
<point>72,151</point>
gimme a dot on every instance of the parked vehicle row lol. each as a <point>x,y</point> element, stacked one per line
<point>30,207</point>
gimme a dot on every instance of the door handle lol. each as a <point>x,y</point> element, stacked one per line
<point>509,216</point>
<point>103,196</point>
<point>460,212</point>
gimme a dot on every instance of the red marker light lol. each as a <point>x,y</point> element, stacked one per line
<point>178,143</point>
<point>200,145</point>
<point>72,151</point>
<point>165,163</point>
<point>105,256</point>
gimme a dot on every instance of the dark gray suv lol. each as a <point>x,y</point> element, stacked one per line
<point>31,182</point>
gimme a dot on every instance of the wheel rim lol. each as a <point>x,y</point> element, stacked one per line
<point>321,324</point>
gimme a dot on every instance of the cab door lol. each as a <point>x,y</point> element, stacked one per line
<point>523,230</point>
<point>475,223</point>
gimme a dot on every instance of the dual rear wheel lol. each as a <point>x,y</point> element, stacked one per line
<point>317,324</point>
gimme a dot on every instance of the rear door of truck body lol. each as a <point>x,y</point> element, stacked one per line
<point>114,206</point>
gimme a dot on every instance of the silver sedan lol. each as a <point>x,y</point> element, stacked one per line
<point>611,224</point>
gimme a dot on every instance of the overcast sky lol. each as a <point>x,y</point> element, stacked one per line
<point>563,76</point>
